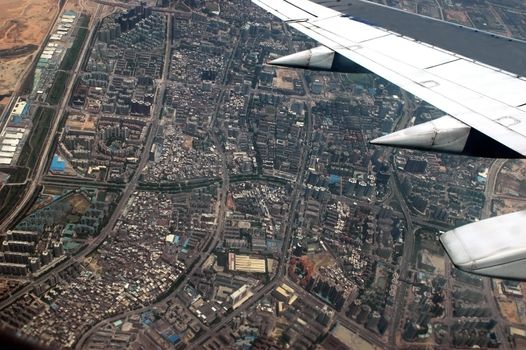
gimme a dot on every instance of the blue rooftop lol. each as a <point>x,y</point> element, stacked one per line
<point>58,163</point>
<point>333,179</point>
<point>174,339</point>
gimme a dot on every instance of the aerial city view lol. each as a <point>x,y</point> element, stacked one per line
<point>163,186</point>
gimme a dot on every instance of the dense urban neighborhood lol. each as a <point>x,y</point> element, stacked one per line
<point>162,186</point>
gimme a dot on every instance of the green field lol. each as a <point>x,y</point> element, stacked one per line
<point>57,90</point>
<point>84,21</point>
<point>364,79</point>
<point>27,85</point>
<point>9,195</point>
<point>72,54</point>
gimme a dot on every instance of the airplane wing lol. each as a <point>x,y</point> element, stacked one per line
<point>487,104</point>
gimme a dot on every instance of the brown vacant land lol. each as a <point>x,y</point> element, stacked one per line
<point>285,79</point>
<point>457,16</point>
<point>25,22</point>
<point>23,26</point>
<point>10,71</point>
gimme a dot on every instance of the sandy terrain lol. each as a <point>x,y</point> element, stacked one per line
<point>459,17</point>
<point>352,340</point>
<point>22,22</point>
<point>512,179</point>
<point>285,79</point>
<point>93,265</point>
<point>188,142</point>
<point>79,204</point>
<point>436,261</point>
<point>10,71</point>
<point>25,21</point>
<point>80,6</point>
<point>87,6</point>
<point>508,309</point>
<point>322,260</point>
<point>78,122</point>
<point>505,206</point>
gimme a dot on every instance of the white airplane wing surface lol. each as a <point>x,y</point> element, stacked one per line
<point>485,107</point>
<point>481,97</point>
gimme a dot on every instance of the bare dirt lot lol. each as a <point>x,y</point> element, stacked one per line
<point>22,23</point>
<point>10,70</point>
<point>86,6</point>
<point>507,205</point>
<point>322,260</point>
<point>285,79</point>
<point>512,179</point>
<point>81,122</point>
<point>25,22</point>
<point>459,17</point>
<point>508,309</point>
